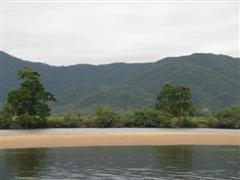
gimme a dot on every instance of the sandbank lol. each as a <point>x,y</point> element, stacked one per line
<point>117,139</point>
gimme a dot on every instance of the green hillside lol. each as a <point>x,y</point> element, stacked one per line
<point>214,79</point>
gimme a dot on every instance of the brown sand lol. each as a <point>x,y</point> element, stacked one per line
<point>118,139</point>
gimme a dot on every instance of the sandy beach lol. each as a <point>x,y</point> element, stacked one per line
<point>117,139</point>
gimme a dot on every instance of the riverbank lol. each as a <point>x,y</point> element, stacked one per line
<point>118,138</point>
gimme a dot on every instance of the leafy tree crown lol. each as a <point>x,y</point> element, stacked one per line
<point>31,98</point>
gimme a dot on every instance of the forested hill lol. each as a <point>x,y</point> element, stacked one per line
<point>214,79</point>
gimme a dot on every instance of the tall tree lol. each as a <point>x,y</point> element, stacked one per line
<point>176,100</point>
<point>30,100</point>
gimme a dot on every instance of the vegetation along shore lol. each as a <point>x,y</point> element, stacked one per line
<point>28,107</point>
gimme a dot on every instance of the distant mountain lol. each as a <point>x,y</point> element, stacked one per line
<point>214,79</point>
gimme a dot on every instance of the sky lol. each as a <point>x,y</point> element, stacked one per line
<point>67,33</point>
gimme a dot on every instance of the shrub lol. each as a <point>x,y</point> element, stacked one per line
<point>189,122</point>
<point>5,120</point>
<point>212,121</point>
<point>127,120</point>
<point>72,121</point>
<point>88,122</point>
<point>229,117</point>
<point>67,121</point>
<point>151,118</point>
<point>199,121</point>
<point>55,121</point>
<point>27,121</point>
<point>174,123</point>
<point>105,117</point>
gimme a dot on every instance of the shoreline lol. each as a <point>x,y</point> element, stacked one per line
<point>129,138</point>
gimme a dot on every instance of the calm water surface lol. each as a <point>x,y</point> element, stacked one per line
<point>103,130</point>
<point>125,162</point>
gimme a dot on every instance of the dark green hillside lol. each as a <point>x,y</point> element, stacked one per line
<point>119,97</point>
<point>214,80</point>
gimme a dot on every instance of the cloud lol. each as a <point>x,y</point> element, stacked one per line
<point>98,33</point>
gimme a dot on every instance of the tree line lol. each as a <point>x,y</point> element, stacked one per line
<point>27,107</point>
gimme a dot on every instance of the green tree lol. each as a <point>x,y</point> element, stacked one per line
<point>29,102</point>
<point>176,100</point>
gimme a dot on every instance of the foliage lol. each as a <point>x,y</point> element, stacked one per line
<point>176,100</point>
<point>195,122</point>
<point>229,117</point>
<point>27,121</point>
<point>29,102</point>
<point>67,121</point>
<point>105,117</point>
<point>212,121</point>
<point>139,118</point>
<point>6,121</point>
<point>188,122</point>
<point>151,118</point>
<point>127,119</point>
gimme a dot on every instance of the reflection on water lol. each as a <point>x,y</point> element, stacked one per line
<point>25,163</point>
<point>176,159</point>
<point>151,162</point>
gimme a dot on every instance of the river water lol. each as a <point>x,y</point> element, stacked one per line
<point>125,162</point>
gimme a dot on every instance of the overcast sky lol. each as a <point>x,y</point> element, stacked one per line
<point>61,33</point>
